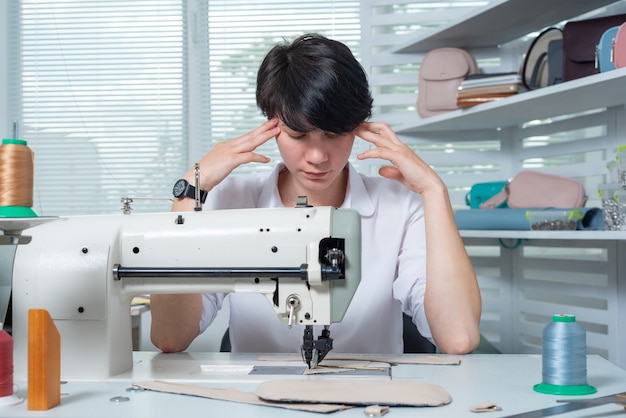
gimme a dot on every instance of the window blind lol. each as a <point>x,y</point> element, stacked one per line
<point>117,99</point>
<point>101,100</point>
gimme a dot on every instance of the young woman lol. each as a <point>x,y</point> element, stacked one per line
<point>316,97</point>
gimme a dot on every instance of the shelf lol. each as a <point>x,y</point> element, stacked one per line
<point>499,22</point>
<point>561,235</point>
<point>591,92</point>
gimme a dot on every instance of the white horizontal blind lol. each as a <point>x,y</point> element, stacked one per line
<point>102,100</point>
<point>117,98</point>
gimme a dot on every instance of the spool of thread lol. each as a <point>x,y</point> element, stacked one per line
<point>16,179</point>
<point>564,358</point>
<point>6,364</point>
<point>7,397</point>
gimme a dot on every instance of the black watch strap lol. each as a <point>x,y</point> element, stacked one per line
<point>191,192</point>
<point>188,190</point>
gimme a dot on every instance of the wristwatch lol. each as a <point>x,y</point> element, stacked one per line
<point>182,188</point>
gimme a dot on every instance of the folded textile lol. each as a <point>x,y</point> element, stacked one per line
<point>516,219</point>
<point>512,88</point>
<point>467,101</point>
<point>483,88</point>
<point>493,79</point>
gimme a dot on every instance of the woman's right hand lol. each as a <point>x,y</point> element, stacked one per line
<point>226,156</point>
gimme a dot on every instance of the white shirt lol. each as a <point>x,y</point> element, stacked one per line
<point>393,270</point>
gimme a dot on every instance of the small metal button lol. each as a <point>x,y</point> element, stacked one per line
<point>120,399</point>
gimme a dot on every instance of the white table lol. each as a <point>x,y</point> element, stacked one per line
<point>506,380</point>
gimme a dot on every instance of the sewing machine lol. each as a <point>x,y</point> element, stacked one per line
<point>85,270</point>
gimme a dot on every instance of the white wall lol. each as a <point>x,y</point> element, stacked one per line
<point>5,125</point>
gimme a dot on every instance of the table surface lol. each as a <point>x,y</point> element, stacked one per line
<point>506,380</point>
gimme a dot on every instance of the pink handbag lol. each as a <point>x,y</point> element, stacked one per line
<point>619,47</point>
<point>441,73</point>
<point>532,189</point>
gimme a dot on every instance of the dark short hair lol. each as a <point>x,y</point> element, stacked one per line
<point>314,83</point>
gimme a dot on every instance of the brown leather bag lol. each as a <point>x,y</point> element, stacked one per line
<point>580,39</point>
<point>441,73</point>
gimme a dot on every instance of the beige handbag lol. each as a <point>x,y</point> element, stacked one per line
<point>441,73</point>
<point>543,62</point>
<point>532,189</point>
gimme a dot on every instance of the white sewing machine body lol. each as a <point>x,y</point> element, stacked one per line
<point>85,270</point>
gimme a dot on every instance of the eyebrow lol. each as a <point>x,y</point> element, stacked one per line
<point>298,132</point>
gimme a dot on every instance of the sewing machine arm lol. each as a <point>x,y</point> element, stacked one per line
<point>85,270</point>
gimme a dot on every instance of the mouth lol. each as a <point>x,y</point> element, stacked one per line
<point>315,175</point>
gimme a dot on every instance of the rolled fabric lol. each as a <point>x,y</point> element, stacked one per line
<point>515,219</point>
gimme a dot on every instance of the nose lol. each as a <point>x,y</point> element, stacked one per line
<point>317,149</point>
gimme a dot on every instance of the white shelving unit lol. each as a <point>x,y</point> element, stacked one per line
<point>499,22</point>
<point>538,235</point>
<point>592,92</point>
<point>526,276</point>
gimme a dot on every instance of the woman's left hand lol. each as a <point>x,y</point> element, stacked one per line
<point>408,168</point>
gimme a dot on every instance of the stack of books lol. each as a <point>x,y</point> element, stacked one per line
<point>483,88</point>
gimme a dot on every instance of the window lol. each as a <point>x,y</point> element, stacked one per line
<point>118,99</point>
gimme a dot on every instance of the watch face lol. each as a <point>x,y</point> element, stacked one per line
<point>179,188</point>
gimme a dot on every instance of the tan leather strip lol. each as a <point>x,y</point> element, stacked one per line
<point>354,392</point>
<point>233,395</point>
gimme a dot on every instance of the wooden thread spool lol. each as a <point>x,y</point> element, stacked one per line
<point>16,175</point>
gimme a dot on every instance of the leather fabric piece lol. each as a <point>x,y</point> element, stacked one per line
<point>354,392</point>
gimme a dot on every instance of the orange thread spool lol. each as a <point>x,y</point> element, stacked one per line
<point>16,173</point>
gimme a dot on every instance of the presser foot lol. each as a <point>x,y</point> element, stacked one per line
<point>314,351</point>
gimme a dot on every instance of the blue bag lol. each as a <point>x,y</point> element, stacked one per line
<point>481,192</point>
<point>604,50</point>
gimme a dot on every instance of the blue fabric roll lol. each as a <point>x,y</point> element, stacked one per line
<point>515,219</point>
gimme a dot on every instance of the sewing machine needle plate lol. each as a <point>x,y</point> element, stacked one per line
<point>278,370</point>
